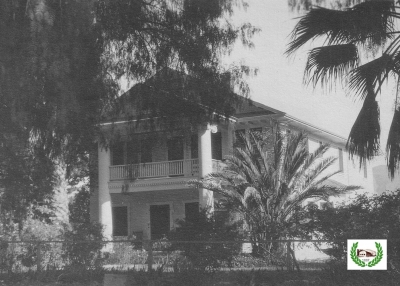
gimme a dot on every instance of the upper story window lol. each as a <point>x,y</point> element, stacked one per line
<point>117,151</point>
<point>257,129</point>
<point>132,152</point>
<point>146,151</point>
<point>365,169</point>
<point>340,159</point>
<point>239,138</point>
<point>194,146</point>
<point>175,148</point>
<point>216,145</point>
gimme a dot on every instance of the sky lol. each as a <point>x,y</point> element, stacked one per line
<point>279,83</point>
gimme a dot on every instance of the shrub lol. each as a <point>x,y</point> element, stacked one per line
<point>82,245</point>
<point>205,228</point>
<point>364,218</point>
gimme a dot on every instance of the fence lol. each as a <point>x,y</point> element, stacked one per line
<point>168,256</point>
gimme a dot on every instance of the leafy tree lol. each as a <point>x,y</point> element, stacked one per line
<point>78,207</point>
<point>366,217</point>
<point>306,5</point>
<point>366,26</point>
<point>267,184</point>
<point>61,63</point>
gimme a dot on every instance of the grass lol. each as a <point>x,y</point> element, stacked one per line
<point>334,275</point>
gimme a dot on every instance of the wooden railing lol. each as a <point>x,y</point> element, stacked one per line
<point>217,165</point>
<point>155,170</point>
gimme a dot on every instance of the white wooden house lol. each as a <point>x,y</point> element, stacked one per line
<point>143,178</point>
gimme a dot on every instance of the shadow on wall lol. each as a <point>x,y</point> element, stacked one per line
<point>382,181</point>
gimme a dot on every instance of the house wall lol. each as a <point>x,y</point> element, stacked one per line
<point>139,202</point>
<point>139,207</point>
<point>351,173</point>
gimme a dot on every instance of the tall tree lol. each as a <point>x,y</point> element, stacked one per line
<point>267,180</point>
<point>61,62</point>
<point>349,32</point>
<point>306,5</point>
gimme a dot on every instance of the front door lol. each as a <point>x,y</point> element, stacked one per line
<point>159,221</point>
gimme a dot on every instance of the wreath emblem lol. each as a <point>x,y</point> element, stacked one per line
<point>373,262</point>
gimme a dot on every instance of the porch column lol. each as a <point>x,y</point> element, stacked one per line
<point>206,197</point>
<point>105,211</point>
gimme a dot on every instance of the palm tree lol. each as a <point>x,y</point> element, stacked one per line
<point>267,179</point>
<point>366,26</point>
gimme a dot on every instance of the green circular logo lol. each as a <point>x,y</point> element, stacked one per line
<point>373,262</point>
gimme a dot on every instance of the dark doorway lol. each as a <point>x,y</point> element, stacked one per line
<point>120,221</point>
<point>117,151</point>
<point>216,145</point>
<point>175,149</point>
<point>159,221</point>
<point>192,212</point>
<point>194,146</point>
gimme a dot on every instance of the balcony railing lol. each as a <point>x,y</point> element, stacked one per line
<point>185,168</point>
<point>176,168</point>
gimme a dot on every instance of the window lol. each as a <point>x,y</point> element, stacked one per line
<point>175,149</point>
<point>192,212</point>
<point>117,151</point>
<point>194,146</point>
<point>258,129</point>
<point>132,152</point>
<point>257,132</point>
<point>365,170</point>
<point>239,138</point>
<point>146,151</point>
<point>120,221</point>
<point>340,155</point>
<point>216,145</point>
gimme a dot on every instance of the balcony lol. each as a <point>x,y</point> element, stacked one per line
<point>178,168</point>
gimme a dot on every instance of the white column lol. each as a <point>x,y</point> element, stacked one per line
<point>105,211</point>
<point>206,197</point>
<point>230,138</point>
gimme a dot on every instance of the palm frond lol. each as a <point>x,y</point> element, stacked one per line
<point>314,176</point>
<point>370,76</point>
<point>296,154</point>
<point>330,62</point>
<point>309,160</point>
<point>366,23</point>
<point>393,144</point>
<point>364,135</point>
<point>317,192</point>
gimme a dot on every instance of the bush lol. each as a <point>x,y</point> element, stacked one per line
<point>205,228</point>
<point>15,255</point>
<point>82,246</point>
<point>365,218</point>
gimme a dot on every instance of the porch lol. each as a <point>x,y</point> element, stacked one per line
<point>176,168</point>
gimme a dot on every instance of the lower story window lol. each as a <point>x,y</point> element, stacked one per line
<point>192,211</point>
<point>120,221</point>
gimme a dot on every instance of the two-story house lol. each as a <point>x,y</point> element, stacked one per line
<point>143,174</point>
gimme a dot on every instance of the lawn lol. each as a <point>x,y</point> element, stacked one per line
<point>235,278</point>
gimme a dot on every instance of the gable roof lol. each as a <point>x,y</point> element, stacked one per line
<point>175,92</point>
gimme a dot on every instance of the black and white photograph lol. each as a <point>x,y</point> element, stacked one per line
<point>199,142</point>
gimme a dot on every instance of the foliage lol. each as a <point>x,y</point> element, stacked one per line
<point>61,64</point>
<point>195,234</point>
<point>367,26</point>
<point>306,5</point>
<point>26,188</point>
<point>82,246</point>
<point>79,207</point>
<point>366,217</point>
<point>15,255</point>
<point>267,180</point>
